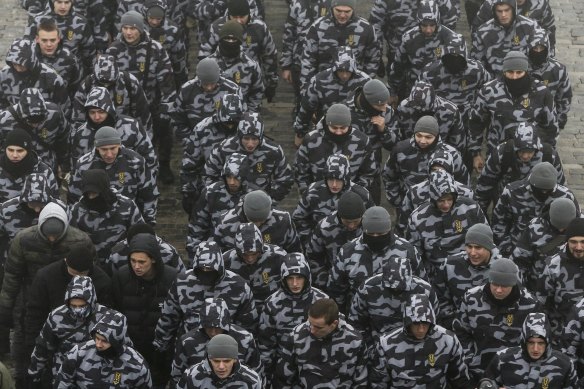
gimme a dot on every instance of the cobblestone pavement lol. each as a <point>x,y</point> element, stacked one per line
<point>570,37</point>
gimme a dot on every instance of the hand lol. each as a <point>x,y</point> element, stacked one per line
<point>478,163</point>
<point>298,140</point>
<point>379,123</point>
<point>287,76</point>
<point>270,93</point>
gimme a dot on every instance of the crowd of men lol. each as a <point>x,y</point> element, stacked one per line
<point>472,277</point>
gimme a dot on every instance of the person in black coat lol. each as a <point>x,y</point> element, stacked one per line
<point>139,289</point>
<point>50,283</point>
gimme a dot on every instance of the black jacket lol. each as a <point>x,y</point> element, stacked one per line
<point>47,292</point>
<point>141,301</point>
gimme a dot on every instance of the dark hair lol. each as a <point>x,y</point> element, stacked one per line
<point>48,25</point>
<point>326,308</point>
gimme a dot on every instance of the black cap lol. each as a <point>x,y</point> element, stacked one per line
<point>238,7</point>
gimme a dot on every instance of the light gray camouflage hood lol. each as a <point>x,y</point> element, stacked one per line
<point>215,314</point>
<point>536,325</point>
<point>251,124</point>
<point>512,3</point>
<point>208,254</point>
<point>113,327</point>
<point>36,188</point>
<point>345,60</point>
<point>441,183</point>
<point>397,274</point>
<point>56,211</point>
<point>81,287</point>
<point>31,104</point>
<point>99,97</point>
<point>248,238</point>
<point>422,97</point>
<point>418,309</point>
<point>526,137</point>
<point>230,109</point>
<point>442,158</point>
<point>338,166</point>
<point>428,10</point>
<point>106,69</point>
<point>295,263</point>
<point>234,166</point>
<point>22,52</point>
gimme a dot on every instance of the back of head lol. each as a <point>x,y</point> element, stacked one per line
<point>503,272</point>
<point>350,206</point>
<point>257,206</point>
<point>324,308</point>
<point>376,220</point>
<point>208,71</point>
<point>222,346</point>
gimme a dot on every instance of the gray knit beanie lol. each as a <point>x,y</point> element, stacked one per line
<point>350,206</point>
<point>222,346</point>
<point>208,71</point>
<point>562,212</point>
<point>106,136</point>
<point>427,124</point>
<point>375,92</point>
<point>504,272</point>
<point>52,226</point>
<point>480,234</point>
<point>515,60</point>
<point>338,115</point>
<point>376,220</point>
<point>257,206</point>
<point>544,176</point>
<point>133,19</point>
<point>346,3</point>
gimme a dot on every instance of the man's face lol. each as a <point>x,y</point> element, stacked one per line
<point>209,87</point>
<point>319,328</point>
<point>212,331</point>
<point>251,257</point>
<point>342,14</point>
<point>535,347</point>
<point>344,75</point>
<point>101,343</point>
<point>15,153</point>
<point>77,303</point>
<point>338,130</point>
<point>97,115</point>
<point>142,264</point>
<point>233,184</point>
<point>514,74</point>
<point>478,255</point>
<point>154,22</point>
<point>576,246</point>
<point>62,7</point>
<point>504,14</point>
<point>335,185</point>
<point>108,153</point>
<point>19,68</point>
<point>428,28</point>
<point>222,366</point>
<point>381,107</point>
<point>48,42</point>
<point>351,224</point>
<point>445,203</point>
<point>295,283</point>
<point>419,330</point>
<point>525,155</point>
<point>424,139</point>
<point>240,19</point>
<point>131,34</point>
<point>500,291</point>
<point>250,143</point>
